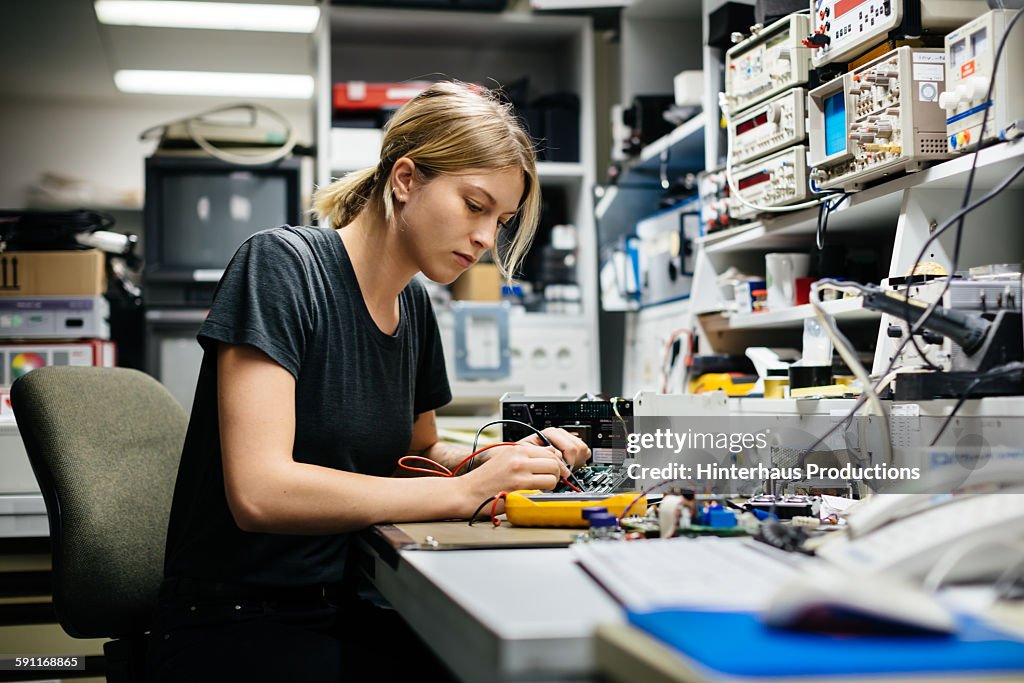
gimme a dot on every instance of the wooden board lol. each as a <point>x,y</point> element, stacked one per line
<point>459,536</point>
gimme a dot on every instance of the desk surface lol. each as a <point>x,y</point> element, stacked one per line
<point>528,614</point>
<point>502,615</point>
<point>460,535</point>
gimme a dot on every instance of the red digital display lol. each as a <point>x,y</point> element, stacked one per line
<point>844,6</point>
<point>755,179</point>
<point>751,124</point>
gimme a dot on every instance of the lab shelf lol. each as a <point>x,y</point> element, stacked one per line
<point>877,207</point>
<point>845,310</point>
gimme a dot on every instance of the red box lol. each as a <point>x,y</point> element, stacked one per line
<point>360,96</point>
<point>802,289</point>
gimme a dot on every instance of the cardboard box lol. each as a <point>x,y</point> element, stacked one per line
<point>482,282</point>
<point>53,273</point>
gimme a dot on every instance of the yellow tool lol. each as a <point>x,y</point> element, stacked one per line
<point>534,508</point>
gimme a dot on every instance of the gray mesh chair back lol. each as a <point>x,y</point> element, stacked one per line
<point>104,444</point>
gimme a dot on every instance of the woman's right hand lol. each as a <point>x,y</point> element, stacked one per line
<point>516,468</point>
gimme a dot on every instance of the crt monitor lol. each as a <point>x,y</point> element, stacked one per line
<point>835,123</point>
<point>199,210</point>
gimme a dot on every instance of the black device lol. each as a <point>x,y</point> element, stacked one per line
<point>554,122</point>
<point>601,424</point>
<point>646,120</point>
<point>198,210</point>
<point>732,17</point>
<point>984,340</point>
<point>1001,343</point>
<point>968,331</point>
<point>768,11</point>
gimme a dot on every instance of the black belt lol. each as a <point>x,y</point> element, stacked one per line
<point>198,589</point>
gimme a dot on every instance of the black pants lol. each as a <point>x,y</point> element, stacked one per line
<point>341,638</point>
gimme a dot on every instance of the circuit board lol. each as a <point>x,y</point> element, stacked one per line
<point>599,479</point>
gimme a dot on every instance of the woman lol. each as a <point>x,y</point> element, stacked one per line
<point>322,366</point>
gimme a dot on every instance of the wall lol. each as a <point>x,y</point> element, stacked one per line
<point>654,51</point>
<point>96,140</point>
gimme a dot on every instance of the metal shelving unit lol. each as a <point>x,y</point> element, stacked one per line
<point>555,53</point>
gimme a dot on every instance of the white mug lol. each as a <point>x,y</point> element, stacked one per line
<point>781,273</point>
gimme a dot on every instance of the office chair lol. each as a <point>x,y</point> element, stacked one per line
<point>104,444</point>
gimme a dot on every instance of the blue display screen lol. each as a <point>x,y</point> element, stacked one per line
<point>835,124</point>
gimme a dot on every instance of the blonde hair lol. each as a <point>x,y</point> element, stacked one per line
<point>447,129</point>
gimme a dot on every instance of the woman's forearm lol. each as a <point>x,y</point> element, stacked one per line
<point>449,455</point>
<point>298,498</point>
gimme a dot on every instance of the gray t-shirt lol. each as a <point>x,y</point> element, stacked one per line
<point>292,293</point>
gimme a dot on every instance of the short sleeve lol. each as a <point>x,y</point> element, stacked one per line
<point>432,388</point>
<point>263,300</point>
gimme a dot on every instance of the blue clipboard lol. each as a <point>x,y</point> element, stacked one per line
<point>740,644</point>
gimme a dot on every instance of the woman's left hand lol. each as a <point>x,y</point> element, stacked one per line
<point>574,450</point>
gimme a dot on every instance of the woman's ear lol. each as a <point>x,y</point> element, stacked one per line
<point>403,176</point>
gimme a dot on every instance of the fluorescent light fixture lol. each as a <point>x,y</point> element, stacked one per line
<point>276,86</point>
<point>227,16</point>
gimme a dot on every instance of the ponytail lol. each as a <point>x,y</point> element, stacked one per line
<point>340,202</point>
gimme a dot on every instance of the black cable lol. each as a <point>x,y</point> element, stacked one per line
<point>819,232</point>
<point>482,506</point>
<point>906,340</point>
<point>956,218</point>
<point>476,439</point>
<point>963,211</point>
<point>824,209</point>
<point>963,399</point>
<point>967,190</point>
<point>529,426</point>
<point>960,213</point>
<point>915,328</point>
<point>907,311</point>
<point>1016,367</point>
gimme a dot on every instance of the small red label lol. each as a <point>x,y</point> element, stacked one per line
<point>844,6</point>
<point>967,69</point>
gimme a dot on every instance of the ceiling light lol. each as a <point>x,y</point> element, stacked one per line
<point>228,16</point>
<point>276,86</point>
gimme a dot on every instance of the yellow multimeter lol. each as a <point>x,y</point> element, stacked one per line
<point>538,509</point>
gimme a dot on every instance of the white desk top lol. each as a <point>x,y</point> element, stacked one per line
<point>502,615</point>
<point>534,593</point>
